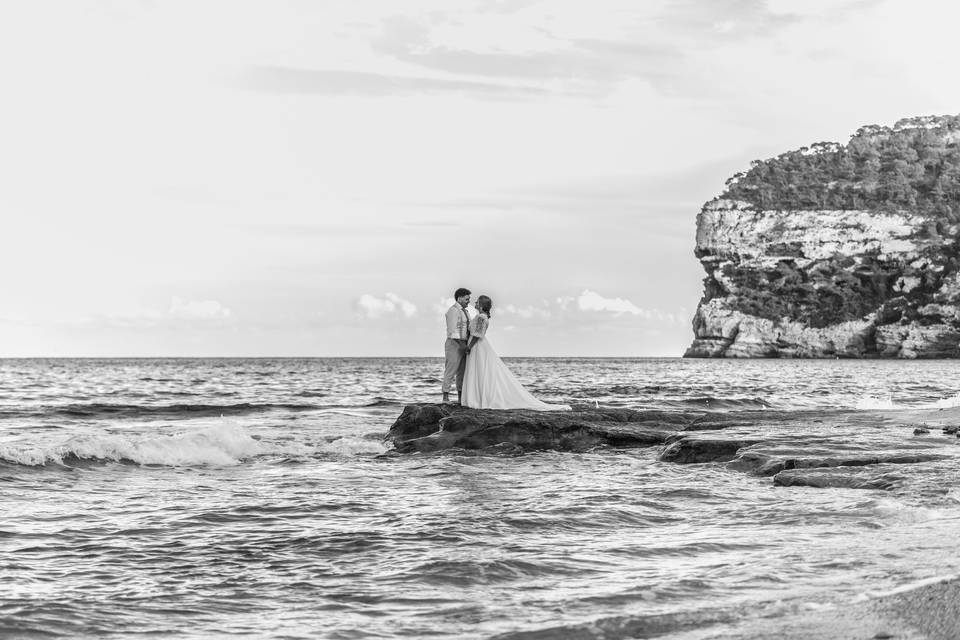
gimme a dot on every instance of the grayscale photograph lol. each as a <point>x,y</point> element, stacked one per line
<point>479,319</point>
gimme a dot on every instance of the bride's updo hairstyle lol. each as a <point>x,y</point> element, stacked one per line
<point>485,304</point>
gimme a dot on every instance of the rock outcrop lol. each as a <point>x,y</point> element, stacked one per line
<point>439,427</point>
<point>697,450</point>
<point>837,251</point>
<point>788,455</point>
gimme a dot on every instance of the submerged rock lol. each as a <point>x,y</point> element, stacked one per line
<point>689,450</point>
<point>439,427</point>
<point>833,480</point>
<point>763,464</point>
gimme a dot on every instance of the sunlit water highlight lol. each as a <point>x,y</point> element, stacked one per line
<point>249,497</point>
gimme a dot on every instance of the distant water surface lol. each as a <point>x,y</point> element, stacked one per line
<point>249,497</point>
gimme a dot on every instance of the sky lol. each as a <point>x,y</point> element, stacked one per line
<point>294,178</point>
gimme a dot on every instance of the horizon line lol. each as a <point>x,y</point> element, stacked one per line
<point>352,357</point>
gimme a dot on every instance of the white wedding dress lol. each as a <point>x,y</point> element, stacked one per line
<point>488,384</point>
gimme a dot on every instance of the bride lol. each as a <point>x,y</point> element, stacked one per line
<point>487,383</point>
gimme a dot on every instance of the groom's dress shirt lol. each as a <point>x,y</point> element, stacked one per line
<point>457,323</point>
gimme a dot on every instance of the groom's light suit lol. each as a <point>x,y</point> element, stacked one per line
<point>455,347</point>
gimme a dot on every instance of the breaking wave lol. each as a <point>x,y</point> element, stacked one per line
<point>107,410</point>
<point>226,444</point>
<point>709,402</point>
<point>353,446</point>
<point>887,403</point>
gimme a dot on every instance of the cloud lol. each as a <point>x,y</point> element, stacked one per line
<point>589,308</point>
<point>579,66</point>
<point>389,305</point>
<point>433,224</point>
<point>592,301</point>
<point>339,229</point>
<point>571,51</point>
<point>586,309</point>
<point>198,310</point>
<point>334,82</point>
<point>527,312</point>
<point>724,20</point>
<point>180,313</point>
<point>626,194</point>
<point>529,50</point>
<point>440,306</point>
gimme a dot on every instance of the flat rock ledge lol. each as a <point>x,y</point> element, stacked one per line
<point>682,438</point>
<point>439,427</point>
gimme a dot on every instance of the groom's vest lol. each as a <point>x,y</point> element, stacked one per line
<point>458,323</point>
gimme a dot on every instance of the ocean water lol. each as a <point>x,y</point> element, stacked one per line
<point>252,498</point>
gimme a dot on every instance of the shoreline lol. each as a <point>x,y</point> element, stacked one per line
<point>924,610</point>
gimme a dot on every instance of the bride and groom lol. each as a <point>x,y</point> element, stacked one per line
<point>483,380</point>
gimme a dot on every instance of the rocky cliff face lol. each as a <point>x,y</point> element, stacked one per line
<point>880,281</point>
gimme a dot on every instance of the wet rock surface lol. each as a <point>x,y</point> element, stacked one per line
<point>690,450</point>
<point>794,449</point>
<point>763,464</point>
<point>824,480</point>
<point>438,427</point>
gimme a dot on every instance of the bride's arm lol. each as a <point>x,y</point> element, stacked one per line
<point>481,331</point>
<point>473,340</point>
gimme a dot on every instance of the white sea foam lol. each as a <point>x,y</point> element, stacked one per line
<point>225,443</point>
<point>893,510</point>
<point>886,403</point>
<point>947,403</point>
<point>912,586</point>
<point>875,402</point>
<point>352,446</point>
<point>221,444</point>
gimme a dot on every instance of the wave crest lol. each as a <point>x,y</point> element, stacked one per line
<point>887,403</point>
<point>226,444</point>
<point>710,402</point>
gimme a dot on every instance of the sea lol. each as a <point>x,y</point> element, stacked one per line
<point>258,498</point>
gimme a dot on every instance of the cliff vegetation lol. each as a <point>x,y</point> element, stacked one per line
<point>913,165</point>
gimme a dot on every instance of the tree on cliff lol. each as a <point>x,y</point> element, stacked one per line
<point>913,165</point>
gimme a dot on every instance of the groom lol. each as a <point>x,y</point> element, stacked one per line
<point>455,347</point>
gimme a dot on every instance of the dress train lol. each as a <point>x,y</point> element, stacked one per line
<point>489,384</point>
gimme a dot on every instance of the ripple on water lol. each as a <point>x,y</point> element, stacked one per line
<point>306,531</point>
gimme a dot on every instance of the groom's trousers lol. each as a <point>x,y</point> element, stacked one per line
<point>455,352</point>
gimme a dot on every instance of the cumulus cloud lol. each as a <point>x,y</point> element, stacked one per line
<point>180,313</point>
<point>441,305</point>
<point>592,301</point>
<point>390,304</point>
<point>198,309</point>
<point>527,312</point>
<point>589,308</point>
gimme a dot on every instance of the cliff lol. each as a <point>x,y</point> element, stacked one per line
<point>837,251</point>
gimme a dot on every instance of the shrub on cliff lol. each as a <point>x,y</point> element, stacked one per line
<point>913,165</point>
